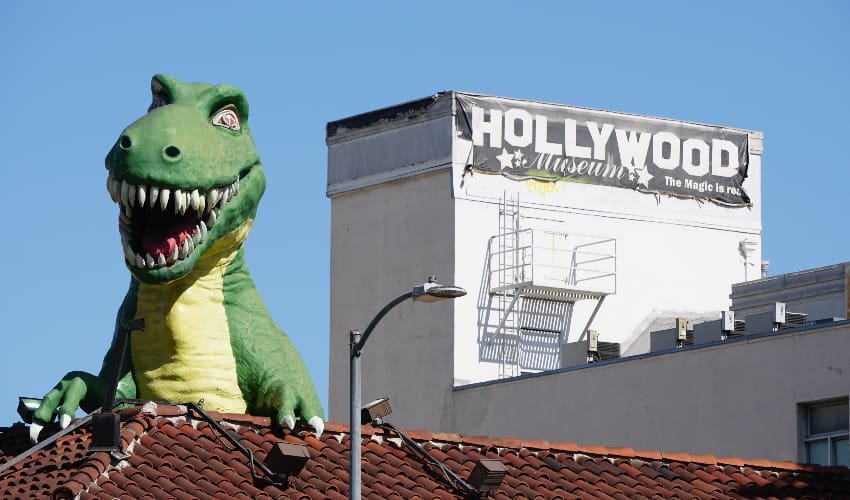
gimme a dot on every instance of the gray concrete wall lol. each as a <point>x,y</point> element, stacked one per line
<point>820,293</point>
<point>384,240</point>
<point>734,399</point>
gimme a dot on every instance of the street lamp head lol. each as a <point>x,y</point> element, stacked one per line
<point>433,291</point>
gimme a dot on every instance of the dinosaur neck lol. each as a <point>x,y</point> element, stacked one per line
<point>185,353</point>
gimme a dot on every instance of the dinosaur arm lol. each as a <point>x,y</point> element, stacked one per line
<point>272,376</point>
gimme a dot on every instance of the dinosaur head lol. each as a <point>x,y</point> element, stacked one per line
<point>184,175</point>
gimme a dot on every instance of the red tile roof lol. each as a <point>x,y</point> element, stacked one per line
<point>171,452</point>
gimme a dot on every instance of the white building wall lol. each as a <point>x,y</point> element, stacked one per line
<point>674,256</point>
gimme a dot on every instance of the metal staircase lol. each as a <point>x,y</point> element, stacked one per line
<point>536,277</point>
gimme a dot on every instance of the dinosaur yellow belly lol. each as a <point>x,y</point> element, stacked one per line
<point>184,354</point>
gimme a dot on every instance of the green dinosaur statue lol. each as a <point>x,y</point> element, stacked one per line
<point>187,179</point>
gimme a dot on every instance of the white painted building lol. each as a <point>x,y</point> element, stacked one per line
<point>649,220</point>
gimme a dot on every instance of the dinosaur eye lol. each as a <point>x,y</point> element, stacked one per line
<point>158,100</point>
<point>227,118</point>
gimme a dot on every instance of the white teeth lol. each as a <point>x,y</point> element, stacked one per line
<point>125,189</point>
<point>178,201</point>
<point>109,188</point>
<point>128,253</point>
<point>184,200</point>
<point>194,199</point>
<point>114,190</point>
<point>164,194</point>
<point>141,195</point>
<point>154,194</point>
<point>207,204</point>
<point>213,197</point>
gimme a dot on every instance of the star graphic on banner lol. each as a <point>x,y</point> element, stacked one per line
<point>518,158</point>
<point>505,159</point>
<point>644,176</point>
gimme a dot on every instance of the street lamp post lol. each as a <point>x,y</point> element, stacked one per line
<point>431,291</point>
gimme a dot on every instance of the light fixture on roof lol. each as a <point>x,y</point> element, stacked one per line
<point>430,291</point>
<point>287,458</point>
<point>487,474</point>
<point>375,411</point>
<point>106,425</point>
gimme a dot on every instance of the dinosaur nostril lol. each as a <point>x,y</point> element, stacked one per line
<point>124,142</point>
<point>171,152</point>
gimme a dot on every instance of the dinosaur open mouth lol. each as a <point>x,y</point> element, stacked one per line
<point>161,226</point>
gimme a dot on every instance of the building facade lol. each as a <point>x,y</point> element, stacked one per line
<point>559,221</point>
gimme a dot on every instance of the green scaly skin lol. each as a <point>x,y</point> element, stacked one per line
<point>194,137</point>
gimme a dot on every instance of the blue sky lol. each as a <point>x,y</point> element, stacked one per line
<point>76,73</point>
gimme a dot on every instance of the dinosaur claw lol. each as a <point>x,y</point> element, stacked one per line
<point>64,420</point>
<point>289,421</point>
<point>35,430</point>
<point>317,424</point>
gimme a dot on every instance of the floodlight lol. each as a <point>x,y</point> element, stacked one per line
<point>487,474</point>
<point>375,411</point>
<point>287,458</point>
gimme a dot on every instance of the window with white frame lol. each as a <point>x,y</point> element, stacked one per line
<point>825,432</point>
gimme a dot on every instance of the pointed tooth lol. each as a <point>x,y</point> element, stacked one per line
<point>149,261</point>
<point>196,236</point>
<point>212,198</point>
<point>140,261</point>
<point>153,195</point>
<point>194,199</point>
<point>109,187</point>
<point>203,227</point>
<point>164,194</point>
<point>128,253</point>
<point>160,260</point>
<point>128,211</point>
<point>125,191</point>
<point>178,199</point>
<point>174,255</point>
<point>183,251</point>
<point>131,195</point>
<point>114,189</point>
<point>236,186</point>
<point>190,246</point>
<point>212,217</point>
<point>202,205</point>
<point>141,195</point>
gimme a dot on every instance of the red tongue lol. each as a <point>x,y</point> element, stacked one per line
<point>158,240</point>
